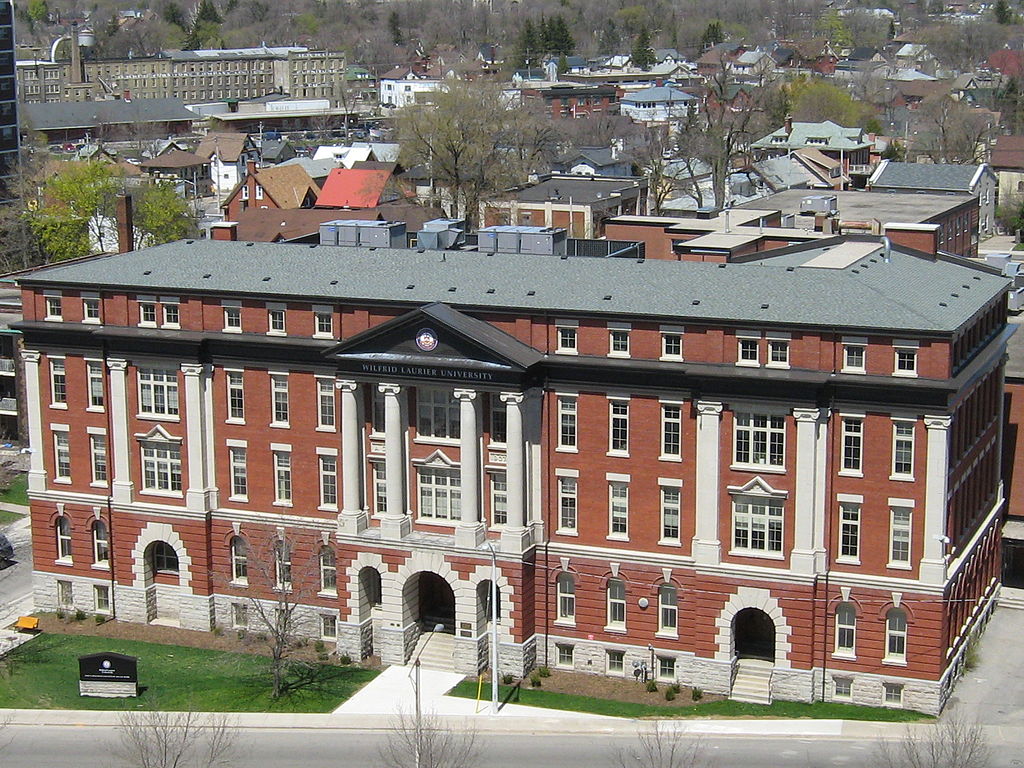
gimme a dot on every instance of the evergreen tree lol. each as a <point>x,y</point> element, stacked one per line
<point>1003,13</point>
<point>643,54</point>
<point>395,27</point>
<point>609,39</point>
<point>207,12</point>
<point>563,64</point>
<point>172,15</point>
<point>559,39</point>
<point>712,36</point>
<point>528,47</point>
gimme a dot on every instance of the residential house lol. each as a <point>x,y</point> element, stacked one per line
<point>318,170</point>
<point>186,169</point>
<point>661,104</point>
<point>1008,163</point>
<point>915,56</point>
<point>594,161</point>
<point>754,66</point>
<point>229,155</point>
<point>410,84</point>
<point>814,55</point>
<point>276,187</point>
<point>850,146</point>
<point>276,151</point>
<point>719,57</point>
<point>977,180</point>
<point>365,187</point>
<point>568,100</point>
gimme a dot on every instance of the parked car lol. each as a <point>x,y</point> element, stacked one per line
<point>6,549</point>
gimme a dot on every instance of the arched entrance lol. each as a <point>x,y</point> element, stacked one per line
<point>753,633</point>
<point>432,601</point>
<point>483,603</point>
<point>162,583</point>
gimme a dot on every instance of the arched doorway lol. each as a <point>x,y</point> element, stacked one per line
<point>753,634</point>
<point>483,603</point>
<point>434,601</point>
<point>162,583</point>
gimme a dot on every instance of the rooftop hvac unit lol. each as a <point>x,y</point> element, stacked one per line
<point>549,242</point>
<point>329,233</point>
<point>827,205</point>
<point>441,234</point>
<point>382,234</point>
<point>522,239</point>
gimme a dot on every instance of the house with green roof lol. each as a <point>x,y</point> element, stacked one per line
<point>850,146</point>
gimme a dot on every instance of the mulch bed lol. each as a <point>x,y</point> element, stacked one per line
<point>616,689</point>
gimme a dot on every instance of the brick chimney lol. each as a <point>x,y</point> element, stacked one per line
<point>250,167</point>
<point>788,124</point>
<point>125,227</point>
<point>224,230</point>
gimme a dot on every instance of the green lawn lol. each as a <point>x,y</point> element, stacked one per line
<point>533,697</point>
<point>16,494</point>
<point>43,674</point>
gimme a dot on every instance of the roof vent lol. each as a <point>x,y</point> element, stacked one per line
<point>764,306</point>
<point>249,245</point>
<point>791,269</point>
<point>420,250</point>
<point>955,295</point>
<point>313,245</point>
<point>855,271</point>
<point>189,242</point>
<point>564,256</point>
<point>721,266</point>
<point>371,248</point>
<point>695,302</point>
<point>490,290</point>
<point>608,297</point>
<point>976,277</point>
<point>266,279</point>
<point>334,282</point>
<point>943,304</point>
<point>206,276</point>
<point>967,286</point>
<point>410,286</point>
<point>148,272</point>
<point>531,293</point>
<point>452,289</point>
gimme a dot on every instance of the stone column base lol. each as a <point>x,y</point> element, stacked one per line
<point>706,552</point>
<point>469,535</point>
<point>395,527</point>
<point>353,523</point>
<point>516,540</point>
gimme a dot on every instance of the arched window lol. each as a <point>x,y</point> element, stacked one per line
<point>846,628</point>
<point>566,588</point>
<point>896,634</point>
<point>616,603</point>
<point>239,560</point>
<point>282,566</point>
<point>100,543</point>
<point>63,528</point>
<point>369,583</point>
<point>668,608</point>
<point>328,570</point>
<point>165,559</point>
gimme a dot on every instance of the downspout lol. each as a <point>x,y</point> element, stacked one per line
<point>830,450</point>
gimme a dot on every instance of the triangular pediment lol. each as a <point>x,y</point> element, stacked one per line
<point>158,434</point>
<point>758,486</point>
<point>436,341</point>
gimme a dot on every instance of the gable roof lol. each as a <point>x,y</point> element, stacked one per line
<point>1008,152</point>
<point>660,93</point>
<point>287,185</point>
<point>261,226</point>
<point>353,188</point>
<point>944,177</point>
<point>317,169</point>
<point>175,158</point>
<point>226,145</point>
<point>809,134</point>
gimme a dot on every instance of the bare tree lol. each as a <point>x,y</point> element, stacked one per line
<point>949,131</point>
<point>952,743</point>
<point>663,745</point>
<point>423,741</point>
<point>653,158</point>
<point>175,740</point>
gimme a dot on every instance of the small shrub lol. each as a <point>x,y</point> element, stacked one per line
<point>218,630</point>
<point>319,646</point>
<point>652,687</point>
<point>971,655</point>
<point>60,614</point>
<point>675,688</point>
<point>322,656</point>
<point>507,679</point>
<point>696,694</point>
<point>345,659</point>
<point>544,672</point>
<point>79,615</point>
<point>241,634</point>
<point>535,679</point>
<point>669,694</point>
<point>99,618</point>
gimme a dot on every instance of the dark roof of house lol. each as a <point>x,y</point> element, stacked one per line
<point>583,190</point>
<point>272,150</point>
<point>175,158</point>
<point>933,176</point>
<point>228,145</point>
<point>59,115</point>
<point>292,224</point>
<point>596,157</point>
<point>1008,152</point>
<point>862,53</point>
<point>841,282</point>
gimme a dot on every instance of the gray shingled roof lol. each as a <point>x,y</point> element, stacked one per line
<point>908,293</point>
<point>934,176</point>
<point>90,114</point>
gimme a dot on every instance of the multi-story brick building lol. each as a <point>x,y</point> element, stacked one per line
<point>773,478</point>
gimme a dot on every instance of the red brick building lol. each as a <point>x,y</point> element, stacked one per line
<point>777,478</point>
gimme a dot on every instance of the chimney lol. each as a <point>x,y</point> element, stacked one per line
<point>250,167</point>
<point>125,227</point>
<point>77,74</point>
<point>224,230</point>
<point>789,124</point>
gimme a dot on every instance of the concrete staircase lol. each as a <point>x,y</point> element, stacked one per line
<point>753,681</point>
<point>435,650</point>
<point>1011,598</point>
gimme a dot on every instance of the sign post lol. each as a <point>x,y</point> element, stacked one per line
<point>108,675</point>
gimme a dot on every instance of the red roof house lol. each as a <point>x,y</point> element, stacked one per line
<point>355,188</point>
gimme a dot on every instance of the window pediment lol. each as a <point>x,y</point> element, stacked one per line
<point>157,435</point>
<point>437,459</point>
<point>758,486</point>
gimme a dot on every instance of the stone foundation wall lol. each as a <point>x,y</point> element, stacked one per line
<point>868,690</point>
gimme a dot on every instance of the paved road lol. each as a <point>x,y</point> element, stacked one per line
<point>16,579</point>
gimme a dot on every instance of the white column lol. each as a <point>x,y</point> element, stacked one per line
<point>121,486</point>
<point>37,471</point>
<point>396,523</point>
<point>936,488</point>
<point>707,549</point>
<point>516,536</point>
<point>195,494</point>
<point>470,530</point>
<point>802,559</point>
<point>353,517</point>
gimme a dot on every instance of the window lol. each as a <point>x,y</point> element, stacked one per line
<point>567,508</point>
<point>778,354</point>
<point>63,529</point>
<point>567,422</point>
<point>61,456</point>
<point>896,635</point>
<point>842,687</point>
<point>671,345</point>
<point>666,668</point>
<point>279,393</point>
<point>668,608</point>
<point>757,524</point>
<point>499,417</point>
<point>275,321</point>
<point>165,559</point>
<point>760,440</point>
<point>100,543</point>
<point>328,570</point>
<point>101,598</point>
<point>846,629</point>
<point>239,560</point>
<point>899,536</point>
<point>233,319</point>
<point>236,396</point>
<point>565,653</point>
<point>245,190</point>
<point>616,662</point>
<point>147,313</point>
<point>329,481</point>
<point>328,627</point>
<point>380,489</point>
<point>670,514</point>
<point>618,342</point>
<point>325,397</point>
<point>369,584</point>
<point>903,448</point>
<point>853,444</point>
<point>849,531</point>
<point>906,361</point>
<point>618,510</point>
<point>282,477</point>
<point>58,383</point>
<point>618,426</point>
<point>437,413</point>
<point>239,473</point>
<point>161,466</point>
<point>748,350</point>
<point>323,324</point>
<point>239,615</point>
<point>499,498</point>
<point>158,392</point>
<point>616,591</point>
<point>893,693</point>
<point>567,340</point>
<point>172,314</point>
<point>91,310</point>
<point>54,308</point>
<point>259,192</point>
<point>671,431</point>
<point>282,566</point>
<point>65,594</point>
<point>854,358</point>
<point>94,374</point>
<point>566,589</point>
<point>377,409</point>
<point>439,493</point>
<point>98,458</point>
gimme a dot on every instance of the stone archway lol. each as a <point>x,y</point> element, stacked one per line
<point>431,600</point>
<point>762,599</point>
<point>161,573</point>
<point>753,633</point>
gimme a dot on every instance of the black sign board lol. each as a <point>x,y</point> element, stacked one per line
<point>108,668</point>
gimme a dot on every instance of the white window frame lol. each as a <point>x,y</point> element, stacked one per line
<point>845,617</point>
<point>666,668</point>
<point>170,312</point>
<point>232,317</point>
<point>777,341</point>
<point>238,549</point>
<point>747,342</point>
<point>892,694</point>
<point>772,433</point>
<point>671,505</point>
<point>101,599</point>
<point>565,598</point>
<point>615,605</point>
<point>62,532</point>
<point>618,340</point>
<point>379,487</point>
<point>327,409</point>
<point>53,304</point>
<point>568,505</point>
<point>498,483</point>
<point>849,532</point>
<point>327,560</point>
<point>759,514</point>
<point>438,414</point>
<point>161,467</point>
<point>65,594</point>
<point>668,610</point>
<point>842,688</point>
<point>280,404</point>
<point>618,426</point>
<point>61,454</point>
<point>568,424</point>
<point>99,459</point>
<point>895,635</point>
<point>234,383</point>
<point>671,445</point>
<point>851,343</point>
<point>277,312</point>
<point>328,470</point>
<point>284,489</point>
<point>438,501</point>
<point>240,615</point>
<point>618,510</point>
<point>905,347</point>
<point>96,390</point>
<point>91,310</point>
<point>160,387</point>
<point>567,337</point>
<point>328,627</point>
<point>852,446</point>
<point>100,544</point>
<point>901,531</point>
<point>667,333</point>
<point>147,312</point>
<point>323,322</point>
<point>58,383</point>
<point>900,426</point>
<point>615,662</point>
